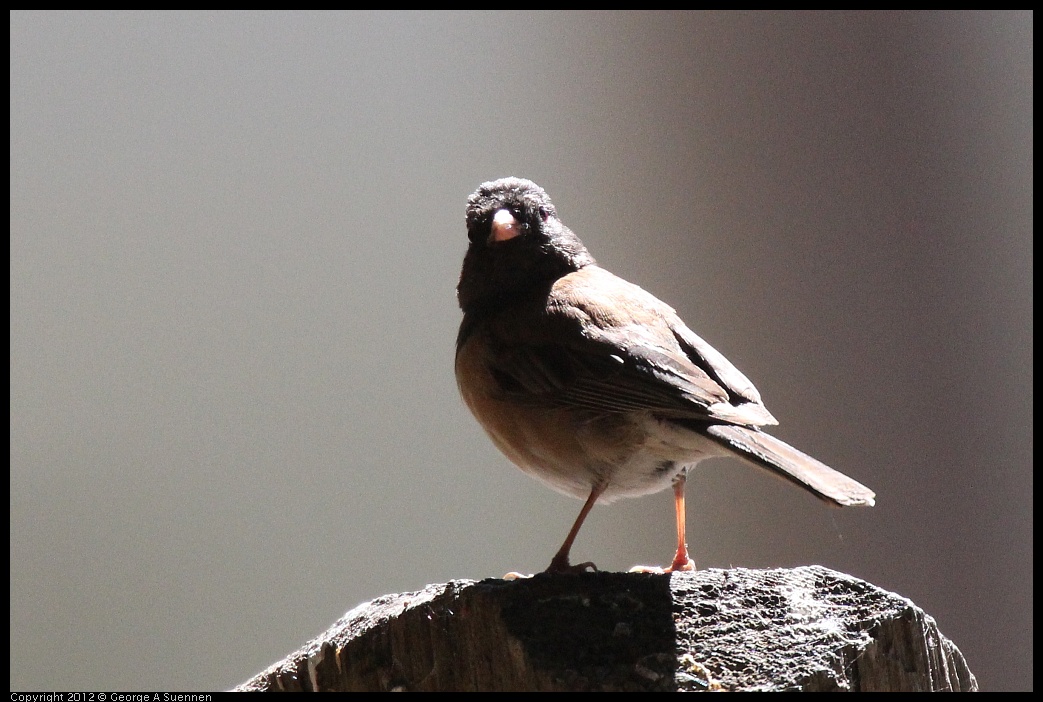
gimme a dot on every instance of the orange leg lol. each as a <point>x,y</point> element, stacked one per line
<point>560,562</point>
<point>681,559</point>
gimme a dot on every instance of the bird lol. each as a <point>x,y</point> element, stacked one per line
<point>594,386</point>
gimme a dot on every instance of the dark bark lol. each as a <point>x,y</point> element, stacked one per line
<point>807,629</point>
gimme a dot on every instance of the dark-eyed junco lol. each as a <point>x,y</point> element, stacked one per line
<point>591,384</point>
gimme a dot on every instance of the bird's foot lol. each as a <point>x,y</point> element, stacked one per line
<point>562,565</point>
<point>686,565</point>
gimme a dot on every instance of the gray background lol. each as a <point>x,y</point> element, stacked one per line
<point>235,240</point>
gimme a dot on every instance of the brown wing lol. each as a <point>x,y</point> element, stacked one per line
<point>605,345</point>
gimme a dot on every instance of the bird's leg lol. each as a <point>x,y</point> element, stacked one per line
<point>681,559</point>
<point>560,562</point>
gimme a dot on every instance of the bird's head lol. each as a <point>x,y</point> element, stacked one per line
<point>517,242</point>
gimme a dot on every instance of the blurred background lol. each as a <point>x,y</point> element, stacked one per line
<point>235,241</point>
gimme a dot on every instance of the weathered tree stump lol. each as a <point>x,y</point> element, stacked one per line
<point>808,629</point>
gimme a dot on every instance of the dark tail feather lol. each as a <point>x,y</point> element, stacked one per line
<point>784,460</point>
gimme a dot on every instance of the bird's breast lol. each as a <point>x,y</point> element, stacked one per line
<point>570,449</point>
